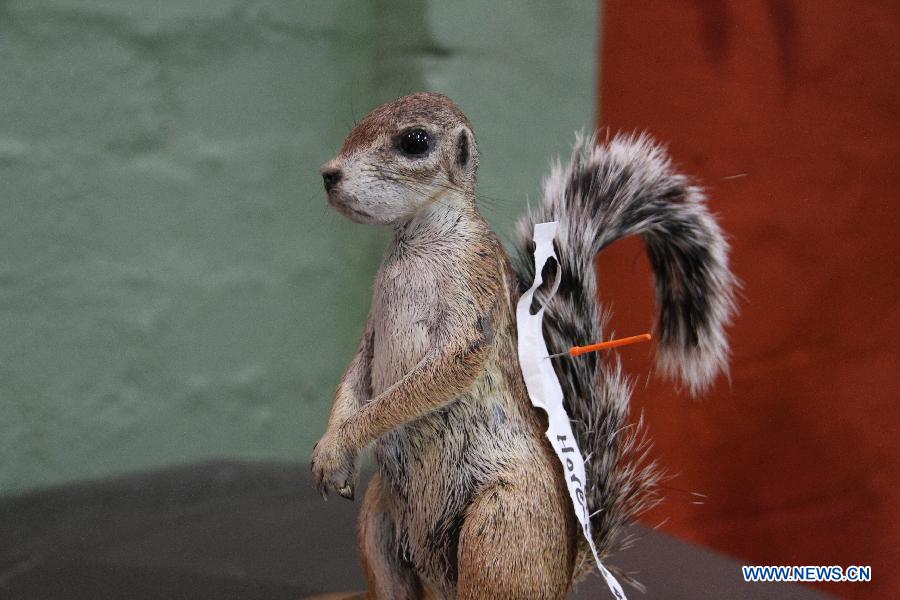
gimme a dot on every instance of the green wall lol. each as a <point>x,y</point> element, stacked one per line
<point>172,285</point>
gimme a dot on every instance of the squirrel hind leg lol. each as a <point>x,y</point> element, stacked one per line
<point>386,573</point>
<point>516,542</point>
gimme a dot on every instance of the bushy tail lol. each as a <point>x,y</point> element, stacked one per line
<point>607,192</point>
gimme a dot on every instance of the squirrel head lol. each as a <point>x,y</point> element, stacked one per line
<point>403,156</point>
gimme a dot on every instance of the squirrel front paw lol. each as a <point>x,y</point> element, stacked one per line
<point>333,466</point>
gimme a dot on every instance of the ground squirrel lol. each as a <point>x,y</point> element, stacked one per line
<point>468,499</point>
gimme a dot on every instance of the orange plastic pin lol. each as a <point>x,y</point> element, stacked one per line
<point>579,350</point>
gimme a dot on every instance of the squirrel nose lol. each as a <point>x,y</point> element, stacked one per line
<point>331,177</point>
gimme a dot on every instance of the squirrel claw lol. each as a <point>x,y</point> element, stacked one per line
<point>323,488</point>
<point>346,491</point>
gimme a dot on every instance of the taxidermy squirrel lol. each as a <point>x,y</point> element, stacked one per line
<point>469,499</point>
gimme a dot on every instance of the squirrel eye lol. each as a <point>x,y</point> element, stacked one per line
<point>414,142</point>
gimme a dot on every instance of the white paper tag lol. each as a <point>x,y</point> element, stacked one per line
<point>546,393</point>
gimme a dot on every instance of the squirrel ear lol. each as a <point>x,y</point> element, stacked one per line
<point>465,154</point>
<point>462,149</point>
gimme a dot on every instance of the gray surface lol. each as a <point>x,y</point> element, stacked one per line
<point>172,285</point>
<point>242,530</point>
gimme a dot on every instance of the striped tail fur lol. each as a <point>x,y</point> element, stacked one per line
<point>623,187</point>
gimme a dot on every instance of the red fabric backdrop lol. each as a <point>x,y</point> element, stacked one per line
<point>787,111</point>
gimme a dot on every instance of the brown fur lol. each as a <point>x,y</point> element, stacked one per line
<point>469,499</point>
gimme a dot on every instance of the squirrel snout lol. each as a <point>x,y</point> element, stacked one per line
<point>330,176</point>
